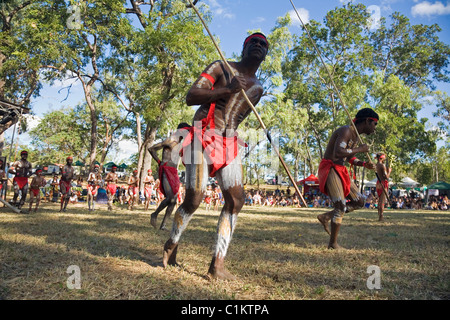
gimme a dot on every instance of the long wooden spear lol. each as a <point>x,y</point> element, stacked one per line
<point>341,99</point>
<point>249,103</point>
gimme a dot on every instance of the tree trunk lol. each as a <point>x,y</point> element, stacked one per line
<point>144,162</point>
<point>93,116</point>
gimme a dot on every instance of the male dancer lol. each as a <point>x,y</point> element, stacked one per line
<point>65,183</point>
<point>383,175</point>
<point>334,179</point>
<point>94,180</point>
<point>22,171</point>
<point>111,186</point>
<point>148,188</point>
<point>221,111</point>
<point>133,189</point>
<point>35,192</point>
<point>3,178</point>
<point>168,173</point>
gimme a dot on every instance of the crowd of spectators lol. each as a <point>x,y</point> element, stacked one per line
<point>287,198</point>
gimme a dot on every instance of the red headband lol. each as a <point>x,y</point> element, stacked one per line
<point>382,156</point>
<point>253,36</point>
<point>374,119</point>
<point>38,170</point>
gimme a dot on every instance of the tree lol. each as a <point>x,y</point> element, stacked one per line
<point>85,47</point>
<point>370,69</point>
<point>24,48</point>
<point>61,133</point>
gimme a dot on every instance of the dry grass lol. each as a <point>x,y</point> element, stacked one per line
<point>277,253</point>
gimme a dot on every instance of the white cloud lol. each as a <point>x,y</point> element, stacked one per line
<point>427,8</point>
<point>304,15</point>
<point>219,10</point>
<point>258,20</point>
<point>32,121</point>
<point>126,149</point>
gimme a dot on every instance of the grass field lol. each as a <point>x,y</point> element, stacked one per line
<point>276,253</point>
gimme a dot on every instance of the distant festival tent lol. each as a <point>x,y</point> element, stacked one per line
<point>372,183</point>
<point>408,183</point>
<point>439,188</point>
<point>310,183</point>
<point>110,165</point>
<point>78,163</point>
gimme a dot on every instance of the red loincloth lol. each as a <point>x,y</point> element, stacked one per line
<point>21,181</point>
<point>148,191</point>
<point>93,189</point>
<point>35,192</point>
<point>64,186</point>
<point>220,150</point>
<point>171,174</point>
<point>112,188</point>
<point>380,187</point>
<point>324,168</point>
<point>134,190</point>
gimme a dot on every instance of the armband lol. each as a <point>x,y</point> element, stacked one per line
<point>210,78</point>
<point>363,164</point>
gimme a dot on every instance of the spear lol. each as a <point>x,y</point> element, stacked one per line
<point>249,103</point>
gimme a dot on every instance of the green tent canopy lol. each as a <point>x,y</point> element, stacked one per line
<point>78,163</point>
<point>123,166</point>
<point>110,165</point>
<point>441,185</point>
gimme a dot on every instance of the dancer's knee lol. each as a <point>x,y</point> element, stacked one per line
<point>192,200</point>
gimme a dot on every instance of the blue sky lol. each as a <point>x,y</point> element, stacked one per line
<point>233,18</point>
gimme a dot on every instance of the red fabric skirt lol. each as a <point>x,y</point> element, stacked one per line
<point>148,191</point>
<point>172,176</point>
<point>93,189</point>
<point>112,188</point>
<point>132,191</point>
<point>380,187</point>
<point>21,181</point>
<point>35,192</point>
<point>64,186</point>
<point>324,168</point>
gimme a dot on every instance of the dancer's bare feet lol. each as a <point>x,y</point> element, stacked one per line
<point>323,220</point>
<point>153,219</point>
<point>217,270</point>
<point>170,254</point>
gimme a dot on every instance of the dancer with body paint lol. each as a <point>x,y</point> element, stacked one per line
<point>148,181</point>
<point>94,180</point>
<point>22,171</point>
<point>65,183</point>
<point>215,152</point>
<point>35,192</point>
<point>133,190</point>
<point>111,186</point>
<point>382,186</point>
<point>334,179</point>
<point>168,173</point>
